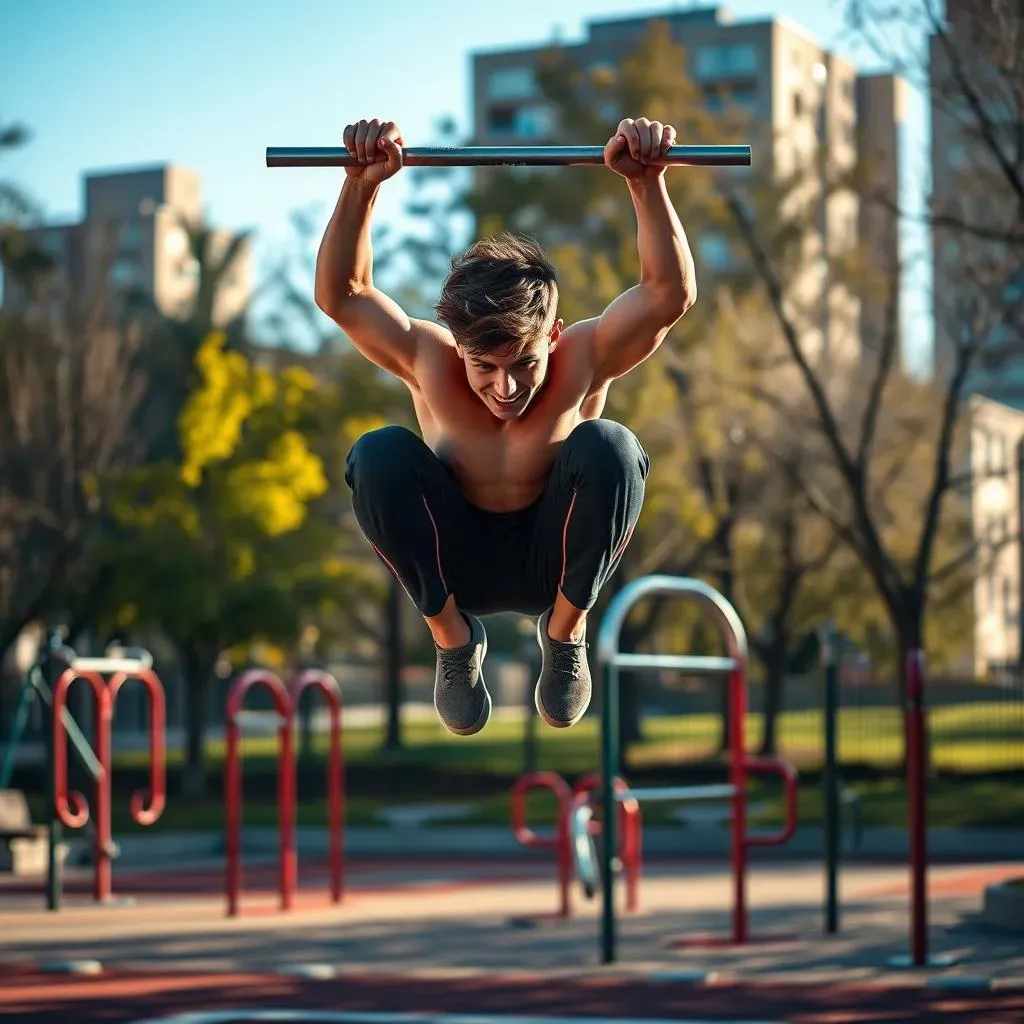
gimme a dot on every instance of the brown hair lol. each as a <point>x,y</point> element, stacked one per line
<point>502,292</point>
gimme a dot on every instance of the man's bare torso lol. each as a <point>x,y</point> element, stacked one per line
<point>504,465</point>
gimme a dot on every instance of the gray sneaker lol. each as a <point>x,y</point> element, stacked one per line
<point>564,688</point>
<point>460,696</point>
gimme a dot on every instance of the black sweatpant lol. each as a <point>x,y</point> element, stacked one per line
<point>411,509</point>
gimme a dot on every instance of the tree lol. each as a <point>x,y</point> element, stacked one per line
<point>219,548</point>
<point>68,390</point>
<point>890,447</point>
<point>363,395</point>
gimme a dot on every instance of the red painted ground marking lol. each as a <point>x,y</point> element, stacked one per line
<point>969,884</point>
<point>128,996</point>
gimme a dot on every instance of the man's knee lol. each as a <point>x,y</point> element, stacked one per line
<point>604,446</point>
<point>382,456</point>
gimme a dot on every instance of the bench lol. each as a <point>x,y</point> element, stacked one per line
<point>23,846</point>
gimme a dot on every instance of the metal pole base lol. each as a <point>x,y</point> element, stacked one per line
<point>905,962</point>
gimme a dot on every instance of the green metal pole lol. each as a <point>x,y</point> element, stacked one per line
<point>609,770</point>
<point>54,873</point>
<point>18,723</point>
<point>830,778</point>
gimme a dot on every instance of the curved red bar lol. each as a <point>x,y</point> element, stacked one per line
<point>233,786</point>
<point>561,841</point>
<point>331,690</point>
<point>790,782</point>
<point>142,814</point>
<point>631,833</point>
<point>72,807</point>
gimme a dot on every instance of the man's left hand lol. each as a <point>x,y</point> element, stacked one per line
<point>636,148</point>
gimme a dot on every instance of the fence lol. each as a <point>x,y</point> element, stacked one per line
<point>973,727</point>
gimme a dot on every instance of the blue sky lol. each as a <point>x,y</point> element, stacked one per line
<point>115,83</point>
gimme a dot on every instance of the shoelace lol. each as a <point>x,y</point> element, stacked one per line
<point>568,659</point>
<point>456,666</point>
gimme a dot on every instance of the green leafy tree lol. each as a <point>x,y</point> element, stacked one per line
<point>219,548</point>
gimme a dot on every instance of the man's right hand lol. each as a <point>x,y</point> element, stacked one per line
<point>378,148</point>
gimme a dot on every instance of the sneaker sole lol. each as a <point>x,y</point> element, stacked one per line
<point>555,723</point>
<point>485,715</point>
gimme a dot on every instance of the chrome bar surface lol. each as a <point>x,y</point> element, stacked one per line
<point>107,665</point>
<point>684,794</point>
<point>504,156</point>
<point>725,616</point>
<point>583,852</point>
<point>683,662</point>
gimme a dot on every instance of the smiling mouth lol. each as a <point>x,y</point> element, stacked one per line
<point>509,402</point>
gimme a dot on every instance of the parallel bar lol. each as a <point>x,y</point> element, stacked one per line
<point>255,720</point>
<point>682,662</point>
<point>128,666</point>
<point>504,156</point>
<point>724,615</point>
<point>684,794</point>
<point>734,636</point>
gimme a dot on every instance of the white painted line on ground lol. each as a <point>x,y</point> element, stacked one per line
<point>327,1017</point>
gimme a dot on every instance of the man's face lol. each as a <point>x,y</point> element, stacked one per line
<point>506,384</point>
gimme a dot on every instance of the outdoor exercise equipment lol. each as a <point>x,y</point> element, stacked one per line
<point>504,156</point>
<point>558,840</point>
<point>282,720</point>
<point>72,808</point>
<point>917,819</point>
<point>567,802</point>
<point>610,659</point>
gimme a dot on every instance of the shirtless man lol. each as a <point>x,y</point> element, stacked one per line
<point>518,496</point>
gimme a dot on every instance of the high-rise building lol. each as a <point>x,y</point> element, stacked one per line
<point>134,233</point>
<point>801,98</point>
<point>978,275</point>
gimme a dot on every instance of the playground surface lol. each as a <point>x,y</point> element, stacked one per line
<point>450,940</point>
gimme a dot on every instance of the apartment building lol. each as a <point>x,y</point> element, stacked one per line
<point>978,280</point>
<point>801,99</point>
<point>132,232</point>
<point>990,456</point>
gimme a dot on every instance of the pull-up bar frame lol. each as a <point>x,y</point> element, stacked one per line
<point>504,156</point>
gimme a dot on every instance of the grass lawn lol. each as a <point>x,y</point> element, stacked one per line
<point>965,802</point>
<point>974,737</point>
<point>970,738</point>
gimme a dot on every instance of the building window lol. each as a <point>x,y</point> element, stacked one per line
<point>995,454</point>
<point>501,119</point>
<point>727,60</point>
<point>798,105</point>
<point>1008,613</point>
<point>534,122</point>
<point>518,83</point>
<point>131,237</point>
<point>743,97</point>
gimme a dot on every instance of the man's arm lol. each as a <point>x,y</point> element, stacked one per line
<point>635,324</point>
<point>344,289</point>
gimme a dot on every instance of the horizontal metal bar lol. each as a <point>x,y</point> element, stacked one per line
<point>503,156</point>
<point>683,662</point>
<point>127,665</point>
<point>684,794</point>
<point>256,720</point>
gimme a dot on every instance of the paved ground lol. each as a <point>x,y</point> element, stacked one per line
<point>448,938</point>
